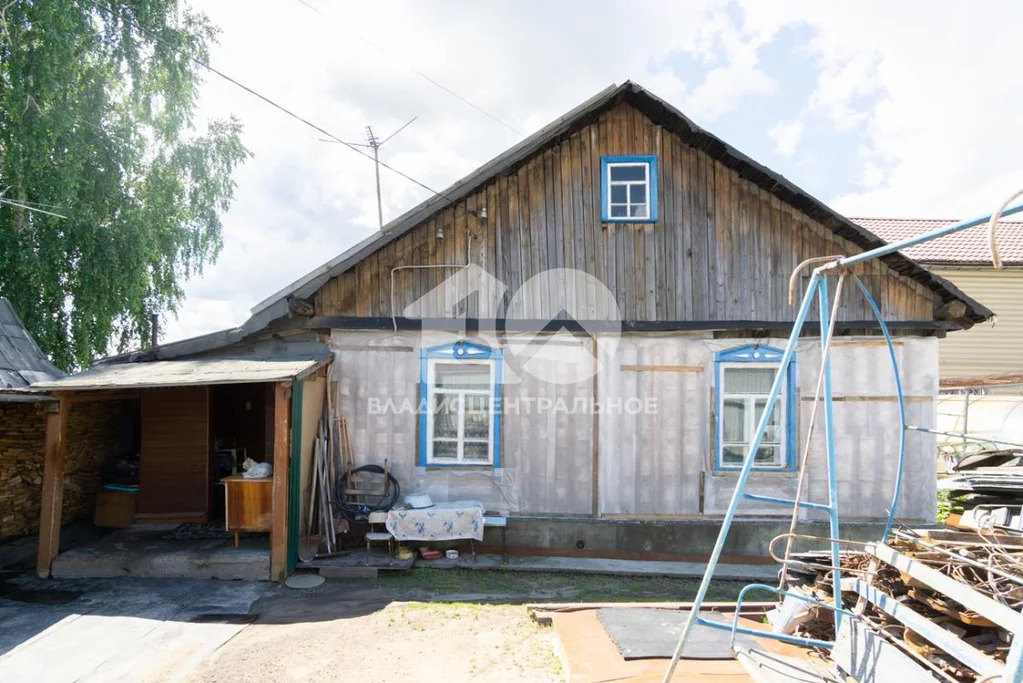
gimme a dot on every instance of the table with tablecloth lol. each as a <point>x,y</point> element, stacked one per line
<point>453,521</point>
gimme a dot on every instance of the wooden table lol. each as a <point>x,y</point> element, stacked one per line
<point>248,504</point>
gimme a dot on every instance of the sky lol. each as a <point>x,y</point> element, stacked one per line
<point>908,109</point>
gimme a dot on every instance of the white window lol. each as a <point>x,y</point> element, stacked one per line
<point>629,189</point>
<point>744,391</point>
<point>460,412</point>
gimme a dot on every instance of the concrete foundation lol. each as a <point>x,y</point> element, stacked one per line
<point>677,540</point>
<point>145,553</point>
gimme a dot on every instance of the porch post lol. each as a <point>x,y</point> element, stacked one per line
<point>281,480</point>
<point>53,485</point>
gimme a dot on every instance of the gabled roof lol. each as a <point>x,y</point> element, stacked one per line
<point>968,247</point>
<point>21,361</point>
<point>661,113</point>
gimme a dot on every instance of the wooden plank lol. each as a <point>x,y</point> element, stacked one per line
<point>672,225</point>
<point>722,233</point>
<point>1001,614</point>
<point>174,452</point>
<point>526,243</point>
<point>281,453</point>
<point>549,254</point>
<point>876,399</point>
<point>868,658</point>
<point>703,282</point>
<point>947,641</point>
<point>661,368</point>
<point>587,220</point>
<point>54,450</point>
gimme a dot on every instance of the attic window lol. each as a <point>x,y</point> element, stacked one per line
<point>628,189</point>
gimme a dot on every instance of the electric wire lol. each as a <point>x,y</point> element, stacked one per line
<point>427,78</point>
<point>320,129</point>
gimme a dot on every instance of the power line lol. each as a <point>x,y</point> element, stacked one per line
<point>274,104</point>
<point>426,77</point>
<point>30,208</point>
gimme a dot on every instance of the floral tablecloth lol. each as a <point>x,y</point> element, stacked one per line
<point>461,519</point>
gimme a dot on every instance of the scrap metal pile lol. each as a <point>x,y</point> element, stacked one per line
<point>987,490</point>
<point>928,604</point>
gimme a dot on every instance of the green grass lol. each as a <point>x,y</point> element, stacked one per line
<point>513,587</point>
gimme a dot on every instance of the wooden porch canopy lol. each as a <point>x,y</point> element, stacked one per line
<point>123,380</point>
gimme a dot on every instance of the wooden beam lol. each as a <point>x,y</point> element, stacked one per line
<point>876,399</point>
<point>281,454</point>
<point>661,368</point>
<point>88,396</point>
<point>54,450</point>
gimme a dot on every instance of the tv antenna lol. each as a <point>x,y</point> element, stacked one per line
<point>374,143</point>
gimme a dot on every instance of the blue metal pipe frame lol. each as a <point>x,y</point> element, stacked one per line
<point>815,286</point>
<point>747,467</point>
<point>795,640</point>
<point>829,435</point>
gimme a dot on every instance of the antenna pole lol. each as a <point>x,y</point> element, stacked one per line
<point>375,146</point>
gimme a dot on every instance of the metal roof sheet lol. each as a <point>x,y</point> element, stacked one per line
<point>185,372</point>
<point>21,361</point>
<point>968,247</point>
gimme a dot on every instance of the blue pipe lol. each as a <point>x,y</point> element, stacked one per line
<point>785,501</point>
<point>795,640</point>
<point>912,241</point>
<point>829,437</point>
<point>902,408</point>
<point>747,467</point>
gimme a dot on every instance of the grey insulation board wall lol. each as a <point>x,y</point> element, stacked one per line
<point>650,459</point>
<point>649,463</point>
<point>546,457</point>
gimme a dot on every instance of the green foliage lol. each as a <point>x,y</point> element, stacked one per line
<point>96,107</point>
<point>944,505</point>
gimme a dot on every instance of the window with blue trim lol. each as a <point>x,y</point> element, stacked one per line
<point>628,189</point>
<point>459,417</point>
<point>743,379</point>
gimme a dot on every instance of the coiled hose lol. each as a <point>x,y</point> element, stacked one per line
<point>353,510</point>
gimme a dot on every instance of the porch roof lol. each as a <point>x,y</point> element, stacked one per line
<point>188,372</point>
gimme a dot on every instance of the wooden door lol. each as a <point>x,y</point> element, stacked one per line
<point>174,478</point>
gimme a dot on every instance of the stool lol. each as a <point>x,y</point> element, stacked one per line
<point>374,519</point>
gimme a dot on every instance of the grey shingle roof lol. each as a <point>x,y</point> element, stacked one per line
<point>21,361</point>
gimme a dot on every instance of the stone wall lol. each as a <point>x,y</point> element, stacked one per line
<point>96,431</point>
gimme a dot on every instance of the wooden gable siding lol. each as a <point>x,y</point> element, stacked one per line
<point>722,249</point>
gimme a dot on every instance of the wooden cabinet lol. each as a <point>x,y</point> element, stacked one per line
<point>248,504</point>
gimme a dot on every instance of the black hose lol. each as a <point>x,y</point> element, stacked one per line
<point>354,510</point>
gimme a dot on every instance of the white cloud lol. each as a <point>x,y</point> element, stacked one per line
<point>786,136</point>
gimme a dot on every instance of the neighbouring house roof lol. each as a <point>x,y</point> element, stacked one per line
<point>187,372</point>
<point>21,361</point>
<point>968,247</point>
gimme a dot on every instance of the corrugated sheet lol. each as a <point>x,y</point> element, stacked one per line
<point>186,372</point>
<point>21,361</point>
<point>987,348</point>
<point>969,246</point>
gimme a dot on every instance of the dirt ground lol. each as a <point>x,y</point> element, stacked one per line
<point>427,625</point>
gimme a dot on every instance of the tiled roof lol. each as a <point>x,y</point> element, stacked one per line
<point>969,246</point>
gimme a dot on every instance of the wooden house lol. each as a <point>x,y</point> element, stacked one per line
<point>581,334</point>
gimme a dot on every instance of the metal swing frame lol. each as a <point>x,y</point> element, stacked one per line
<point>818,286</point>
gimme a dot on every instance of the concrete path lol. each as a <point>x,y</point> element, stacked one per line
<point>596,565</point>
<point>109,629</point>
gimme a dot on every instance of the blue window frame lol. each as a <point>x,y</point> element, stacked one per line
<point>742,382</point>
<point>628,189</point>
<point>459,405</point>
